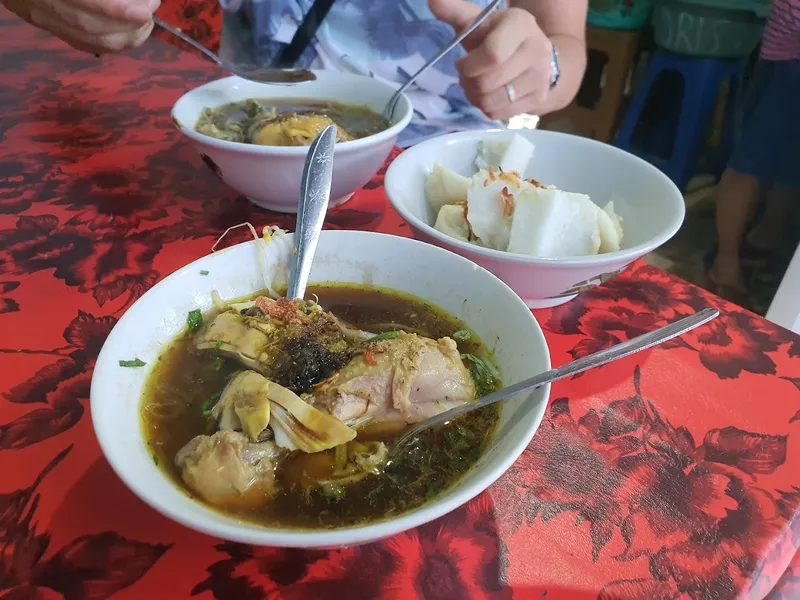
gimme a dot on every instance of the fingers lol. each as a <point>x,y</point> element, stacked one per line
<point>94,34</point>
<point>460,14</point>
<point>135,11</point>
<point>497,104</point>
<point>96,25</point>
<point>492,79</point>
<point>83,22</point>
<point>498,46</point>
<point>515,51</point>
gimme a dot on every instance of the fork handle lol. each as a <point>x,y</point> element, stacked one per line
<point>598,359</point>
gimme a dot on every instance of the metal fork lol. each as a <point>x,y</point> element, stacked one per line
<point>598,359</point>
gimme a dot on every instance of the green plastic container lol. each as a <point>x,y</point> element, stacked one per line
<point>626,15</point>
<point>758,7</point>
<point>694,29</point>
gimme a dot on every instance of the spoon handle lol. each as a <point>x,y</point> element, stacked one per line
<point>598,359</point>
<point>315,193</point>
<point>456,41</point>
<point>183,37</point>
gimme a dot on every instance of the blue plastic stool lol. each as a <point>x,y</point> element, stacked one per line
<point>703,78</point>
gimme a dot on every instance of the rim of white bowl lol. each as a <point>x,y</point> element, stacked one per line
<point>249,533</point>
<point>394,171</point>
<point>370,140</point>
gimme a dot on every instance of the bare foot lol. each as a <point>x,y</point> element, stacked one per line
<point>726,281</point>
<point>727,271</point>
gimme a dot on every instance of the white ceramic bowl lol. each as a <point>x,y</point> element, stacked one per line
<point>651,206</point>
<point>454,284</point>
<point>270,175</point>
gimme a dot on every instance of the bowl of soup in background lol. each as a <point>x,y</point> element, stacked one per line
<point>451,283</point>
<point>650,205</point>
<point>270,175</point>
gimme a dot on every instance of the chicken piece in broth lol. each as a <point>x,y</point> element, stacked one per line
<point>408,378</point>
<point>227,469</point>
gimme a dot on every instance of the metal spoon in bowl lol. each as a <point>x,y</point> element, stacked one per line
<point>598,359</point>
<point>389,110</point>
<point>250,72</point>
<point>315,193</point>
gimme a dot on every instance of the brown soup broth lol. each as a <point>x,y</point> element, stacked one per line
<point>184,379</point>
<point>358,121</point>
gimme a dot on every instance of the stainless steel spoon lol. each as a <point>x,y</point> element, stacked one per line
<point>598,359</point>
<point>315,193</point>
<point>388,112</point>
<point>251,72</point>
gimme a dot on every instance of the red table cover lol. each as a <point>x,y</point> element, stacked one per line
<point>671,474</point>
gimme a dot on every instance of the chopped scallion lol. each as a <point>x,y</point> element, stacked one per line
<point>209,404</point>
<point>132,364</point>
<point>195,319</point>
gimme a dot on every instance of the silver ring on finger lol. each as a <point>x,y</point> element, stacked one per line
<point>510,93</point>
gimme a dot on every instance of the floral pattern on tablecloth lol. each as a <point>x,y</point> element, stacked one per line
<point>673,474</point>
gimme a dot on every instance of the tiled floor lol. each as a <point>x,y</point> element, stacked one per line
<point>687,254</point>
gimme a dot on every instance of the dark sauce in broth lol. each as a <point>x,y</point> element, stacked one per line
<point>184,379</point>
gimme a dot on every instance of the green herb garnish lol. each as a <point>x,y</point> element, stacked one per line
<point>209,404</point>
<point>195,319</point>
<point>462,335</point>
<point>132,364</point>
<point>386,335</point>
<point>219,362</point>
<point>483,373</point>
<point>203,272</point>
<point>155,460</point>
<point>218,345</point>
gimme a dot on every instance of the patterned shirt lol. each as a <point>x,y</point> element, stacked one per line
<point>384,39</point>
<point>782,33</point>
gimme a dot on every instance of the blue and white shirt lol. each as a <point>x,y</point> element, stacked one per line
<point>384,39</point>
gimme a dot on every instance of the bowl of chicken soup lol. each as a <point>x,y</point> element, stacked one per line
<point>550,214</point>
<point>243,415</point>
<point>255,136</point>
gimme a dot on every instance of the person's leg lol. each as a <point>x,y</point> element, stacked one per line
<point>751,165</point>
<point>787,172</point>
<point>737,197</point>
<point>771,231</point>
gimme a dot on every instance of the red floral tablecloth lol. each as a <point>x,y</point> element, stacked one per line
<point>673,474</point>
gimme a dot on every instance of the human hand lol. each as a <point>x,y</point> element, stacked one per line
<point>91,25</point>
<point>507,70</point>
